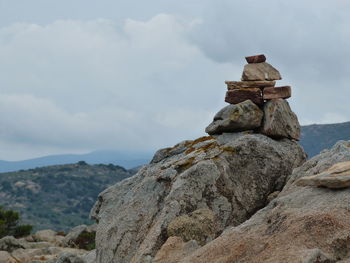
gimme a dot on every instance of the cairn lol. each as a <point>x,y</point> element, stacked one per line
<point>256,104</point>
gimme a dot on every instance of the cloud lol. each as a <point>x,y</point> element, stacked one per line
<point>75,85</point>
<point>84,85</point>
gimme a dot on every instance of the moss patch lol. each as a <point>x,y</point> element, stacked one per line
<point>198,226</point>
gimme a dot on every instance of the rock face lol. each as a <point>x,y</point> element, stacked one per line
<point>280,121</point>
<point>303,224</point>
<point>174,250</point>
<point>239,117</point>
<point>198,226</point>
<point>260,71</point>
<point>229,176</point>
<point>338,176</point>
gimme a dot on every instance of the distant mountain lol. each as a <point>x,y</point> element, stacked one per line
<point>58,197</point>
<point>317,137</point>
<point>127,160</point>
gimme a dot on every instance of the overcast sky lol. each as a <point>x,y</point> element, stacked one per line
<point>83,75</point>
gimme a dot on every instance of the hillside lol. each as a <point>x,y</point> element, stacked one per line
<point>317,137</point>
<point>125,159</point>
<point>57,197</point>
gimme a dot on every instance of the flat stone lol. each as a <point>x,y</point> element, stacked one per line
<point>256,59</point>
<point>283,92</point>
<point>239,117</point>
<point>236,96</point>
<point>280,121</point>
<point>249,84</point>
<point>260,71</point>
<point>338,176</point>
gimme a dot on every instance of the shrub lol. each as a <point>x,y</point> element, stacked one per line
<point>9,224</point>
<point>86,240</point>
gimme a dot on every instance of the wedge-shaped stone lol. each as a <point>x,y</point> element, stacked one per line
<point>280,121</point>
<point>239,117</point>
<point>236,96</point>
<point>260,71</point>
<point>283,92</point>
<point>249,84</point>
<point>256,59</point>
<point>338,176</point>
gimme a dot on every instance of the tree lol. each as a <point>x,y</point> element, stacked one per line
<point>9,220</point>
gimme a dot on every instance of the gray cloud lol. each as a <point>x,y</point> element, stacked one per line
<point>143,80</point>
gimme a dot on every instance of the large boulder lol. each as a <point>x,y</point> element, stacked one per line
<point>280,121</point>
<point>302,225</point>
<point>260,71</point>
<point>230,176</point>
<point>239,117</point>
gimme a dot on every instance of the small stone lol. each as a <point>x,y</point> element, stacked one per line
<point>260,71</point>
<point>280,121</point>
<point>256,59</point>
<point>283,92</point>
<point>338,176</point>
<point>239,117</point>
<point>236,96</point>
<point>249,84</point>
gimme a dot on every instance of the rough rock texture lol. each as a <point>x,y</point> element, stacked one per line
<point>47,235</point>
<point>243,116</point>
<point>230,174</point>
<point>236,96</point>
<point>5,257</point>
<point>67,257</point>
<point>260,71</point>
<point>302,225</point>
<point>249,84</point>
<point>283,92</point>
<point>256,59</point>
<point>338,176</point>
<point>198,226</point>
<point>175,249</point>
<point>33,250</point>
<point>280,121</point>
<point>10,244</point>
<point>73,237</point>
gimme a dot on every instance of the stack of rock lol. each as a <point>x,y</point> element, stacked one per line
<point>256,104</point>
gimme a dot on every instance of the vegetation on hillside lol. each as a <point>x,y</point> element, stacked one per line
<point>317,137</point>
<point>57,197</point>
<point>9,224</point>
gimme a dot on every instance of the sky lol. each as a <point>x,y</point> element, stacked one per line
<point>82,75</point>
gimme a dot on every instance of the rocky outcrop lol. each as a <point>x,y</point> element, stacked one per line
<point>229,176</point>
<point>243,116</point>
<point>47,246</point>
<point>338,176</point>
<point>303,224</point>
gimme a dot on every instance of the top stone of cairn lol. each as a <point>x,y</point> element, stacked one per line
<point>256,59</point>
<point>260,71</point>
